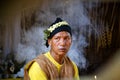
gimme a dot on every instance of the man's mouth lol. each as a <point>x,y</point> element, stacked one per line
<point>62,49</point>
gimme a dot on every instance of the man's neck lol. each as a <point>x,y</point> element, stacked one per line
<point>57,57</point>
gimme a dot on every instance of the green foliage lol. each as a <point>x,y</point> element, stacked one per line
<point>46,34</point>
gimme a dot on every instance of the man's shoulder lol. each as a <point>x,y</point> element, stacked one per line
<point>35,61</point>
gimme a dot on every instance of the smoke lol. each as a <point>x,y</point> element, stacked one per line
<point>33,44</point>
<point>76,52</point>
<point>71,11</point>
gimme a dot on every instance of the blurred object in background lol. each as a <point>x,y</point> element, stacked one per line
<point>111,71</point>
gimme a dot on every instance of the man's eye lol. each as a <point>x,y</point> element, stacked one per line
<point>57,38</point>
<point>67,38</point>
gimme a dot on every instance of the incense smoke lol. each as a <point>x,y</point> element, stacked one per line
<point>71,11</point>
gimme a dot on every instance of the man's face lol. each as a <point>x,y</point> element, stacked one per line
<point>60,43</point>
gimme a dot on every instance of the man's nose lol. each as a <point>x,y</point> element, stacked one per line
<point>62,42</point>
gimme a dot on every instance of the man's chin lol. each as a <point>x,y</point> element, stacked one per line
<point>62,52</point>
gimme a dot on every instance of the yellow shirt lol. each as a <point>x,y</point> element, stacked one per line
<point>36,73</point>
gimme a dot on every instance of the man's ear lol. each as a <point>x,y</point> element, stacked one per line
<point>49,42</point>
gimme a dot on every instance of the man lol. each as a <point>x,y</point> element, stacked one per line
<point>54,64</point>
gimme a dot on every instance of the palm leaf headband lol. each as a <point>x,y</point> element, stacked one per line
<point>52,28</point>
